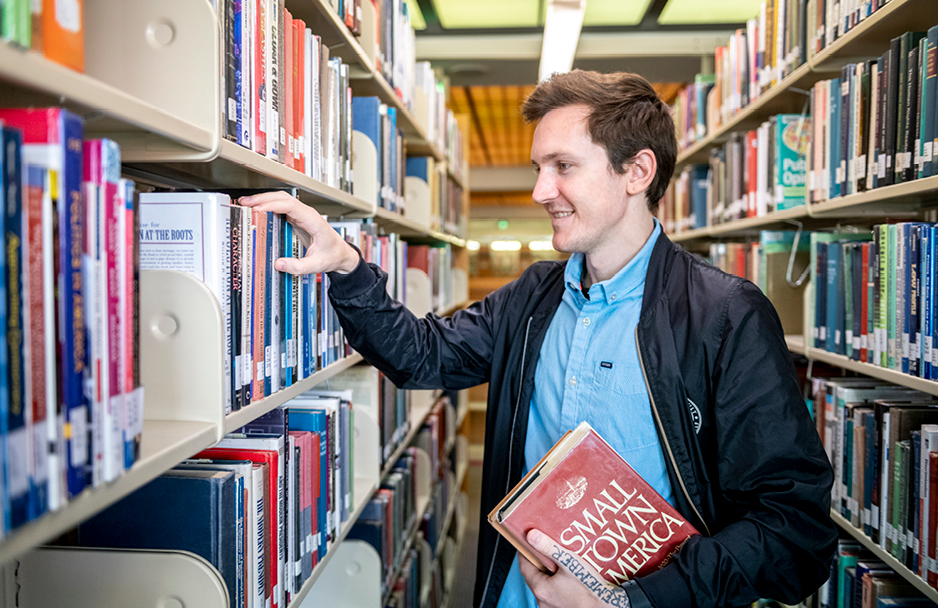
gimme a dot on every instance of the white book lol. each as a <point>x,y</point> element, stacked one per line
<point>315,77</point>
<point>190,232</point>
<point>247,300</point>
<point>308,102</point>
<point>271,64</point>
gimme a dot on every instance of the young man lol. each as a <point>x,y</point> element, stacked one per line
<point>682,368</point>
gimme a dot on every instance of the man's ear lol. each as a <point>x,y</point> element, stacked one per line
<point>642,172</point>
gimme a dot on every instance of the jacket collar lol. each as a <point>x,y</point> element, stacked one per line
<point>659,269</point>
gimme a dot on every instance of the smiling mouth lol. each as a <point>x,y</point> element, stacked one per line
<point>561,214</point>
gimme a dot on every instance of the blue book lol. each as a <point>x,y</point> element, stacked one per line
<point>274,422</point>
<point>872,466</point>
<point>16,456</point>
<point>913,295</point>
<point>239,76</point>
<point>928,246</point>
<point>179,510</point>
<point>835,118</point>
<point>366,119</point>
<point>419,167</point>
<point>309,334</point>
<point>820,297</point>
<point>835,283</point>
<point>392,160</point>
<point>289,312</point>
<point>698,194</point>
<point>268,308</point>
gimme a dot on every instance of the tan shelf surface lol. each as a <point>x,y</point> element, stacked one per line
<point>795,344</point>
<point>29,79</point>
<point>364,488</point>
<point>890,561</point>
<point>890,375</point>
<point>898,200</point>
<point>236,420</point>
<point>165,444</point>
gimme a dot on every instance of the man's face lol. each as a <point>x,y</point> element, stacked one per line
<point>585,198</point>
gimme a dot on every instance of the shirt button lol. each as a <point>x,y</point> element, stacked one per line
<point>613,297</point>
<point>586,321</point>
<point>573,381</point>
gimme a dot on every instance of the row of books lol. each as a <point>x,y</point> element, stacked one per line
<point>775,263</point>
<point>284,96</point>
<point>390,520</point>
<point>859,578</point>
<point>71,405</point>
<point>752,174</point>
<point>756,58</point>
<point>435,118</point>
<point>874,296</point>
<point>436,263</point>
<point>773,44</point>
<point>55,30</point>
<point>263,506</point>
<point>379,159</point>
<point>434,198</point>
<point>877,124</point>
<point>881,440</point>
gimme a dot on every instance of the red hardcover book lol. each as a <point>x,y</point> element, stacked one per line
<point>932,513</point>
<point>288,75</point>
<point>590,501</point>
<point>299,87</point>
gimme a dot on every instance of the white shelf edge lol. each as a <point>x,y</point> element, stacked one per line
<point>236,420</point>
<point>890,561</point>
<point>890,375</point>
<point>31,70</point>
<point>364,488</point>
<point>165,444</point>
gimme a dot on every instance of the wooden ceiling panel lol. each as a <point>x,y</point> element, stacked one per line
<point>499,135</point>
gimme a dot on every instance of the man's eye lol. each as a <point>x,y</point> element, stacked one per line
<point>563,166</point>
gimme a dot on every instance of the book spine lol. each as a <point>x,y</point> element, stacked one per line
<point>289,304</point>
<point>260,90</point>
<point>230,111</point>
<point>260,250</point>
<point>247,306</point>
<point>248,90</point>
<point>240,78</point>
<point>272,66</point>
<point>236,277</point>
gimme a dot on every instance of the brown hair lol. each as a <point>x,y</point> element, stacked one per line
<point>626,116</point>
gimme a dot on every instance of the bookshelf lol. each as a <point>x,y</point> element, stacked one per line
<point>140,58</point>
<point>906,201</point>
<point>890,561</point>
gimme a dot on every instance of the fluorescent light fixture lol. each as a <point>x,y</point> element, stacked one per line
<point>540,246</point>
<point>506,245</point>
<point>561,33</point>
<point>473,245</point>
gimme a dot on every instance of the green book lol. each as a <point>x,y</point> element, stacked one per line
<point>16,22</point>
<point>882,242</point>
<point>891,298</point>
<point>791,147</point>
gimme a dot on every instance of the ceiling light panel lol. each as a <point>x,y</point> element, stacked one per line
<point>614,12</point>
<point>460,14</point>
<point>693,11</point>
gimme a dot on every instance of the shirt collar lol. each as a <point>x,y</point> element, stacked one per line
<point>629,278</point>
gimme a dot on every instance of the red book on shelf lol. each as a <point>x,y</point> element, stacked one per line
<point>752,173</point>
<point>932,515</point>
<point>590,501</point>
<point>299,88</point>
<point>288,73</point>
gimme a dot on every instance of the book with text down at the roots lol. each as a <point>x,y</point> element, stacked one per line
<point>591,502</point>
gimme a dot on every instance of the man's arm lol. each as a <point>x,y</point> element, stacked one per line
<point>775,537</point>
<point>426,353</point>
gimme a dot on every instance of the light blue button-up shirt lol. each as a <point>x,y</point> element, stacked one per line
<point>588,369</point>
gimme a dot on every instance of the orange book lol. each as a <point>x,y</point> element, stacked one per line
<point>63,32</point>
<point>260,308</point>
<point>585,497</point>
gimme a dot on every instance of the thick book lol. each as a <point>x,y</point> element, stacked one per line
<point>590,501</point>
<point>183,510</point>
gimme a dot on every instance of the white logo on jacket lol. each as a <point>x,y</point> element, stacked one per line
<point>694,414</point>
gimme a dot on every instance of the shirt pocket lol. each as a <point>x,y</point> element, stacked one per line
<point>619,377</point>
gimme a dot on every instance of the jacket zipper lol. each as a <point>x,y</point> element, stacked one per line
<point>511,433</point>
<point>664,437</point>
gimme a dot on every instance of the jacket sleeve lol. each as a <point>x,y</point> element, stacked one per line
<point>428,353</point>
<point>774,537</point>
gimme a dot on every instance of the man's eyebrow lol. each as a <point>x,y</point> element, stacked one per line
<point>551,156</point>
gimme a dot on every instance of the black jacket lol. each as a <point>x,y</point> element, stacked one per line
<point>744,459</point>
